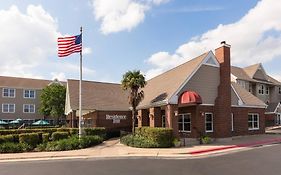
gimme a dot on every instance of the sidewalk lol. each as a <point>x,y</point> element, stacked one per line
<point>114,149</point>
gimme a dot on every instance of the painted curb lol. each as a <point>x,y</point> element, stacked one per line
<point>252,144</point>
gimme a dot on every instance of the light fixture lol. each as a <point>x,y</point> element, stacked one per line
<point>176,113</point>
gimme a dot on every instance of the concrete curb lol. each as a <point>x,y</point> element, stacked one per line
<point>252,144</point>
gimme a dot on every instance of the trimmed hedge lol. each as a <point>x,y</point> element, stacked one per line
<point>45,137</point>
<point>31,139</point>
<point>10,147</point>
<point>71,143</point>
<point>6,138</point>
<point>72,131</point>
<point>100,131</point>
<point>59,135</point>
<point>146,137</point>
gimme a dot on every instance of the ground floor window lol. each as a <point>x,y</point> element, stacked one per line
<point>163,120</point>
<point>8,108</point>
<point>184,122</point>
<point>209,122</point>
<point>253,121</point>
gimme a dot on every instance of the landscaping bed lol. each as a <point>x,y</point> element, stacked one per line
<point>49,139</point>
<point>146,137</point>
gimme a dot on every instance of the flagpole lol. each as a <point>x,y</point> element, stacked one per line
<point>80,92</point>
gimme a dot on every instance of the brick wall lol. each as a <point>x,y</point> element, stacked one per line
<point>99,120</point>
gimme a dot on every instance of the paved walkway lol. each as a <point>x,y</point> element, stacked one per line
<point>114,149</point>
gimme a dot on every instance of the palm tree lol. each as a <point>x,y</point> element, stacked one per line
<point>134,81</point>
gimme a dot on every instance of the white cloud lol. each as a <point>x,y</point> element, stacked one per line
<point>27,40</point>
<point>256,37</point>
<point>116,16</point>
<point>86,50</point>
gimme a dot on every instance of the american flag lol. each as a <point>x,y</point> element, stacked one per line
<point>69,45</point>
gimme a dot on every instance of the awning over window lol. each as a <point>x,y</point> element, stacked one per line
<point>190,97</point>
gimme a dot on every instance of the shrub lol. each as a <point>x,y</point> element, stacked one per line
<point>100,131</point>
<point>71,143</point>
<point>10,147</point>
<point>206,140</point>
<point>6,138</point>
<point>31,139</point>
<point>138,141</point>
<point>45,137</point>
<point>73,131</point>
<point>163,137</point>
<point>88,141</point>
<point>59,135</point>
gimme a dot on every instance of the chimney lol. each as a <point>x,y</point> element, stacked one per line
<point>222,118</point>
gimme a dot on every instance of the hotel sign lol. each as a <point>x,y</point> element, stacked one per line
<point>115,118</point>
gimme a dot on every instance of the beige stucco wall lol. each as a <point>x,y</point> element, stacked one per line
<point>205,82</point>
<point>19,100</point>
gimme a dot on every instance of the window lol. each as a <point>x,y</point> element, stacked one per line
<point>209,122</point>
<point>163,121</point>
<point>184,122</point>
<point>261,89</point>
<point>250,87</point>
<point>8,108</point>
<point>253,121</point>
<point>29,94</point>
<point>232,122</point>
<point>279,90</point>
<point>28,108</point>
<point>7,92</point>
<point>267,90</point>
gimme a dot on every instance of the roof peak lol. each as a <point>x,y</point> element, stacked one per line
<point>206,53</point>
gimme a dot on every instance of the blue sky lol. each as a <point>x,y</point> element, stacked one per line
<point>121,35</point>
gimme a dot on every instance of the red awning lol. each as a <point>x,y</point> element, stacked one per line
<point>190,97</point>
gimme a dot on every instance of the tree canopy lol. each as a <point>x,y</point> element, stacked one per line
<point>53,101</point>
<point>134,81</point>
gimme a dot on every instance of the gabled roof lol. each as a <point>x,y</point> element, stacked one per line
<point>252,69</point>
<point>248,73</point>
<point>23,83</point>
<point>271,108</point>
<point>240,73</point>
<point>246,97</point>
<point>161,88</point>
<point>97,96</point>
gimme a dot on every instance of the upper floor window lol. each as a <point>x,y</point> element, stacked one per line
<point>9,92</point>
<point>29,94</point>
<point>279,90</point>
<point>261,89</point>
<point>267,90</point>
<point>8,108</point>
<point>29,108</point>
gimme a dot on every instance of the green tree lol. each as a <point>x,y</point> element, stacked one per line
<point>134,81</point>
<point>53,101</point>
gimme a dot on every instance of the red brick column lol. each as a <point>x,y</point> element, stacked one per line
<point>155,117</point>
<point>222,117</point>
<point>171,119</point>
<point>143,117</point>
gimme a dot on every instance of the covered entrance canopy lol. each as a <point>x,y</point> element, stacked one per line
<point>189,97</point>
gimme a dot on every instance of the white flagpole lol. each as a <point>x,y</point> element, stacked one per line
<point>80,92</point>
